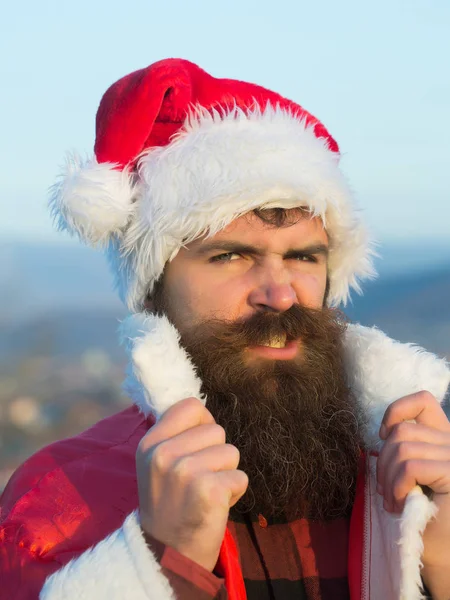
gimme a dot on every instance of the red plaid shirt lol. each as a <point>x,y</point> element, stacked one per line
<point>301,560</point>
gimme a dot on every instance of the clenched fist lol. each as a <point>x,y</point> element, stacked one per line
<point>187,481</point>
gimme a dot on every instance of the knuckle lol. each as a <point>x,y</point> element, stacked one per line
<point>235,455</point>
<point>184,468</point>
<point>143,454</point>
<point>407,468</point>
<point>160,457</point>
<point>145,443</point>
<point>388,412</point>
<point>204,487</point>
<point>242,479</point>
<point>194,407</point>
<point>192,402</point>
<point>403,470</point>
<point>397,491</point>
<point>141,449</point>
<point>401,431</point>
<point>426,396</point>
<point>402,451</point>
<point>219,433</point>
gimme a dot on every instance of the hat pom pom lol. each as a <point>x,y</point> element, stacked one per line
<point>92,200</point>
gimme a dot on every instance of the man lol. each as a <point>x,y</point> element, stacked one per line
<point>232,235</point>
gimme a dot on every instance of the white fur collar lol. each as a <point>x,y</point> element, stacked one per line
<point>380,370</point>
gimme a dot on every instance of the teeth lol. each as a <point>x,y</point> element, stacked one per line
<point>278,342</point>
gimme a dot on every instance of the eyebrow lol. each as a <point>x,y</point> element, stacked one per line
<point>239,248</point>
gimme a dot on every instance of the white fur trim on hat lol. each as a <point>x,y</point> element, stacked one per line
<point>92,200</point>
<point>219,166</point>
<point>223,165</point>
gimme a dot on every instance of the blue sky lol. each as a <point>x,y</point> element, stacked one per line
<point>377,75</point>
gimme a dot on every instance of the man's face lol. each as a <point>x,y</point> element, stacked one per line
<point>249,267</point>
<point>248,303</point>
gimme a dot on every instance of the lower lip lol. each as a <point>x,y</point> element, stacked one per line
<point>287,353</point>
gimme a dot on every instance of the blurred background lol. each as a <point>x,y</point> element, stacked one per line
<point>375,73</point>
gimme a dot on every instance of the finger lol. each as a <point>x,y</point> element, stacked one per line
<point>434,474</point>
<point>166,453</point>
<point>421,407</point>
<point>182,473</point>
<point>183,415</point>
<point>394,454</point>
<point>415,432</point>
<point>231,486</point>
<point>213,459</point>
<point>238,487</point>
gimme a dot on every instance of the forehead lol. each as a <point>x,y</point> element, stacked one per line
<point>299,229</point>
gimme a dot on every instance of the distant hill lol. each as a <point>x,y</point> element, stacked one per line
<point>66,334</point>
<point>413,308</point>
<point>59,300</point>
<point>37,278</point>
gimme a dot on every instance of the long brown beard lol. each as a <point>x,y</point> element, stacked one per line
<point>295,423</point>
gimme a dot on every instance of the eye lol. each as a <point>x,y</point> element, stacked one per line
<point>225,257</point>
<point>302,257</point>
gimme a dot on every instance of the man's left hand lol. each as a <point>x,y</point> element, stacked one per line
<point>417,451</point>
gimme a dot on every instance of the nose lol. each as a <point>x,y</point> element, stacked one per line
<point>273,294</point>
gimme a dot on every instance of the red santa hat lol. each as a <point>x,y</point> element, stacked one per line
<point>180,154</point>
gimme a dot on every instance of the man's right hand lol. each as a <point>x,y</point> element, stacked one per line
<point>187,481</point>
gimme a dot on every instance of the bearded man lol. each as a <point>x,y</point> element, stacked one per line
<point>273,450</point>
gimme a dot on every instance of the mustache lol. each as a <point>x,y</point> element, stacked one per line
<point>299,322</point>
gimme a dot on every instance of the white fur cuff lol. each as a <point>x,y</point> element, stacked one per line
<point>120,567</point>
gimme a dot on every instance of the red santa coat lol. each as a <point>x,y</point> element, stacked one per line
<point>70,511</point>
<point>74,493</point>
